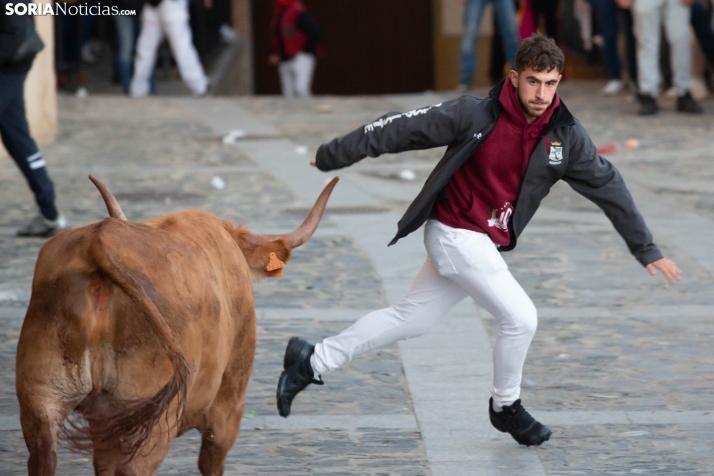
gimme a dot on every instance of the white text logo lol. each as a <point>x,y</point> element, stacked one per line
<point>57,8</point>
<point>383,122</point>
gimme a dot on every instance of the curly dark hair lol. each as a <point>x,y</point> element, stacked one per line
<point>539,53</point>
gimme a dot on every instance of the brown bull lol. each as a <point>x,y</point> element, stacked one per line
<point>141,331</point>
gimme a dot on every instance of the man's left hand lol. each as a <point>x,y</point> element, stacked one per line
<point>666,267</point>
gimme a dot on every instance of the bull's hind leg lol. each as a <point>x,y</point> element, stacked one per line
<point>218,435</point>
<point>41,425</point>
<point>46,393</point>
<point>221,422</point>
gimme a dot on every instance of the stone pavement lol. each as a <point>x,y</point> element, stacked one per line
<point>621,366</point>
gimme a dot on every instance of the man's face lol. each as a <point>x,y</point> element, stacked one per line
<point>535,90</point>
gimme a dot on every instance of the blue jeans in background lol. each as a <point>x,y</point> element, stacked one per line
<point>505,13</point>
<point>128,28</point>
<point>607,12</point>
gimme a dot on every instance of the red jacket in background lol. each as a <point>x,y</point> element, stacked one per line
<point>288,40</point>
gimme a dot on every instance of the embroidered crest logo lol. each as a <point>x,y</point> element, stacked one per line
<point>556,153</point>
<point>500,216</point>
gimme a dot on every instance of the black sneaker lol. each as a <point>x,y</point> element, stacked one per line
<point>648,105</point>
<point>297,375</point>
<point>687,104</point>
<point>516,421</point>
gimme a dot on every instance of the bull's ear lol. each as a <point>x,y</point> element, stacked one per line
<point>267,261</point>
<point>264,261</point>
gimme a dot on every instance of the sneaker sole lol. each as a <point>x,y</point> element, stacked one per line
<point>284,412</point>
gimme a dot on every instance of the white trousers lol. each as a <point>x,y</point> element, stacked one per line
<point>296,75</point>
<point>170,18</point>
<point>649,16</point>
<point>460,263</point>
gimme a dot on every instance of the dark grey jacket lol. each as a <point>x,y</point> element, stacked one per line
<point>13,29</point>
<point>462,125</point>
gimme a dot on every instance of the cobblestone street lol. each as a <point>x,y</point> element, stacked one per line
<point>621,368</point>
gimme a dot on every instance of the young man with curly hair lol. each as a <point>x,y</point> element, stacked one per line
<point>504,154</point>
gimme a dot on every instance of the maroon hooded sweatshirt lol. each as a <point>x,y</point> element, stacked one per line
<point>482,193</point>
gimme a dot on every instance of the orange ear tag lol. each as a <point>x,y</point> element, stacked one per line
<point>275,265</point>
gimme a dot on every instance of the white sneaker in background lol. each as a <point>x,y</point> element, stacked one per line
<point>42,227</point>
<point>613,87</point>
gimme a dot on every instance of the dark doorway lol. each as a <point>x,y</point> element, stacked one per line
<point>370,46</point>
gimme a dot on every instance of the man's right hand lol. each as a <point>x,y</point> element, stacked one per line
<point>274,59</point>
<point>626,4</point>
<point>313,163</point>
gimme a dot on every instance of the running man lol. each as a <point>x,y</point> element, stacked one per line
<point>504,154</point>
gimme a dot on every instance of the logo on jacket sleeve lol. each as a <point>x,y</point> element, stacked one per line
<point>556,153</point>
<point>381,123</point>
<point>500,216</point>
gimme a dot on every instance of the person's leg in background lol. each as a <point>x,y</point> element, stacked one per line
<point>126,38</point>
<point>505,13</point>
<point>676,22</point>
<point>647,15</point>
<point>175,21</point>
<point>701,21</point>
<point>146,47</point>
<point>606,14</point>
<point>628,25</point>
<point>287,78</point>
<point>548,10</point>
<point>69,61</point>
<point>703,63</point>
<point>304,67</point>
<point>16,138</point>
<point>498,60</point>
<point>473,11</point>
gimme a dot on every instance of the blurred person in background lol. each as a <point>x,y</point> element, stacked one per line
<point>127,32</point>
<point>547,11</point>
<point>607,13</point>
<point>19,43</point>
<point>73,32</point>
<point>294,36</point>
<point>496,70</point>
<point>702,25</point>
<point>649,17</point>
<point>169,18</point>
<point>505,14</point>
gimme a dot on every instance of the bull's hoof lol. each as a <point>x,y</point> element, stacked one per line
<point>297,375</point>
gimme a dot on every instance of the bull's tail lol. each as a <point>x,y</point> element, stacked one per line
<point>129,424</point>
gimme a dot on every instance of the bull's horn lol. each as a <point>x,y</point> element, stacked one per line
<point>112,205</point>
<point>308,227</point>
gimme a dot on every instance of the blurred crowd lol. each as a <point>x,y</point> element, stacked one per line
<point>159,35</point>
<point>647,47</point>
<point>181,33</point>
<point>645,44</point>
